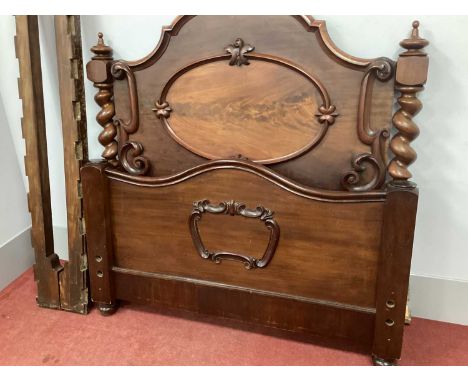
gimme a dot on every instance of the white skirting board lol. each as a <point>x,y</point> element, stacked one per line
<point>16,256</point>
<point>439,299</point>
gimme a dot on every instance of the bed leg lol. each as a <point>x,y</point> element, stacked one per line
<point>108,309</point>
<point>382,362</point>
<point>394,271</point>
<point>98,236</point>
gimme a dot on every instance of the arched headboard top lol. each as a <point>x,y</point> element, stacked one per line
<point>308,22</point>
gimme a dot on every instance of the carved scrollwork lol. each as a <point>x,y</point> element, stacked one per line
<point>238,51</point>
<point>120,70</point>
<point>234,208</point>
<point>132,160</point>
<point>130,153</point>
<point>382,69</point>
<point>102,70</point>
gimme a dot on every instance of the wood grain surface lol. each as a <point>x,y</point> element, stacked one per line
<point>326,251</point>
<point>220,111</point>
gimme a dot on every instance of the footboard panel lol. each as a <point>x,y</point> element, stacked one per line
<point>325,250</point>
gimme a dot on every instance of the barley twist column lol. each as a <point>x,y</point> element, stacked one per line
<point>99,72</point>
<point>411,75</point>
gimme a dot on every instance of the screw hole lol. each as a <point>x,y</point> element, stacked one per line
<point>390,304</point>
<point>389,322</point>
<point>98,259</point>
<point>99,274</point>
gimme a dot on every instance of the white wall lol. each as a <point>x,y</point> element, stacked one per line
<point>9,73</point>
<point>441,239</point>
<point>16,253</point>
<point>14,213</point>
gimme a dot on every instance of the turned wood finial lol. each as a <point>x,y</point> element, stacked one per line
<point>101,50</point>
<point>415,42</point>
<point>99,72</point>
<point>411,75</point>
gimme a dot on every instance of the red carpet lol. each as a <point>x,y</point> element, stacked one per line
<point>30,335</point>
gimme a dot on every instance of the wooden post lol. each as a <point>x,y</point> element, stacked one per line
<point>99,72</point>
<point>73,281</point>
<point>99,239</point>
<point>394,270</point>
<point>400,207</point>
<point>47,265</point>
<point>411,75</point>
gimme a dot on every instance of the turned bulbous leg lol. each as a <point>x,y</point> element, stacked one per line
<point>382,362</point>
<point>107,309</point>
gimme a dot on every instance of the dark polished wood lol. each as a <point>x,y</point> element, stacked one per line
<point>99,72</point>
<point>249,180</point>
<point>312,259</point>
<point>411,76</point>
<point>187,83</point>
<point>107,309</point>
<point>99,240</point>
<point>399,220</point>
<point>234,208</point>
<point>255,306</point>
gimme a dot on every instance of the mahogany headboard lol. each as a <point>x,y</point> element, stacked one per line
<point>267,109</point>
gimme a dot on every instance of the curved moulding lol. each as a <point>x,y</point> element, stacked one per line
<point>253,168</point>
<point>308,22</point>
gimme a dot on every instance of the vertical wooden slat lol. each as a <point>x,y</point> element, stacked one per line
<point>73,281</point>
<point>47,265</point>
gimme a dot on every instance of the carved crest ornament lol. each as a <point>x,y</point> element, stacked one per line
<point>238,51</point>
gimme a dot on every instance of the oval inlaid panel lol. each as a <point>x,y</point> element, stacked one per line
<point>264,111</point>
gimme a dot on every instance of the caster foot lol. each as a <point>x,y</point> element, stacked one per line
<point>382,362</point>
<point>107,309</point>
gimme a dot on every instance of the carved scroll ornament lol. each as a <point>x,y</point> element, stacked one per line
<point>382,69</point>
<point>130,152</point>
<point>234,208</point>
<point>118,148</point>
